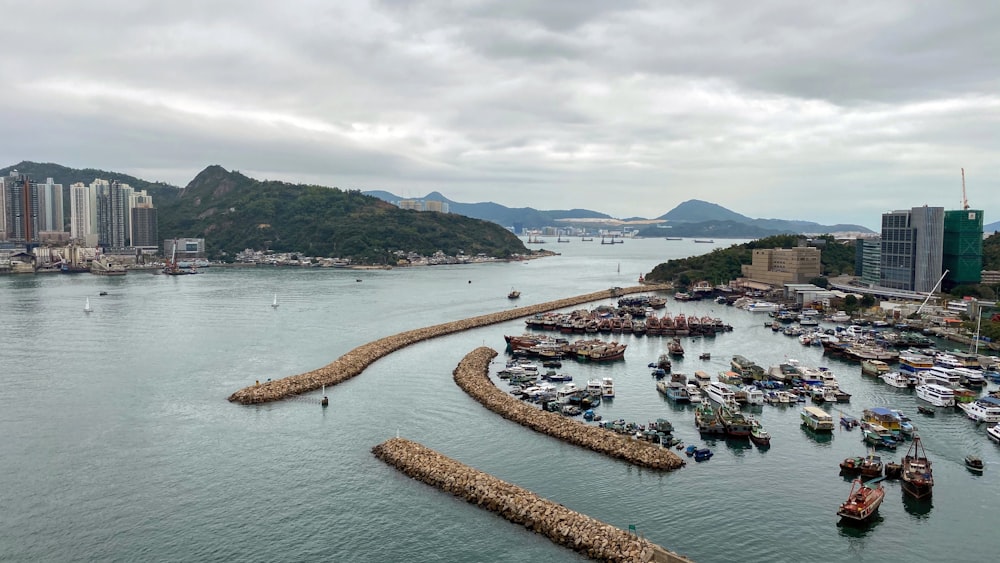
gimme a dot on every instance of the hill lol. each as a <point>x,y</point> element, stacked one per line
<point>233,212</point>
<point>163,194</point>
<point>705,213</point>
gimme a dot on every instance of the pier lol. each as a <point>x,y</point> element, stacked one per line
<point>579,532</point>
<point>472,375</point>
<point>356,360</point>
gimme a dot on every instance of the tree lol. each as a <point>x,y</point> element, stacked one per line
<point>867,301</point>
<point>850,303</point>
<point>820,282</point>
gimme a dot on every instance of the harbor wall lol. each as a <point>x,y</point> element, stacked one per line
<point>356,360</point>
<point>472,375</point>
<point>579,532</point>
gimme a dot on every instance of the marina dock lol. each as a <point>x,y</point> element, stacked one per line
<point>579,532</point>
<point>355,361</point>
<point>472,375</point>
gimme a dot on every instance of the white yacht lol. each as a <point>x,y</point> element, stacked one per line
<point>937,395</point>
<point>969,376</point>
<point>694,393</point>
<point>986,409</point>
<point>939,376</point>
<point>566,391</point>
<point>994,432</point>
<point>608,388</point>
<point>754,395</point>
<point>899,379</point>
<point>840,317</point>
<point>721,393</point>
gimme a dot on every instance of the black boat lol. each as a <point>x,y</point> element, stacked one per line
<point>929,411</point>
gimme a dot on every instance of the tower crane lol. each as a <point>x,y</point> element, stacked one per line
<point>965,202</point>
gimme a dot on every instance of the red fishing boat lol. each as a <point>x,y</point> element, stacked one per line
<point>863,502</point>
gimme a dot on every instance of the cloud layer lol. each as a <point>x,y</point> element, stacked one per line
<point>828,112</point>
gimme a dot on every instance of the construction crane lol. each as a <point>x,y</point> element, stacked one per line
<point>965,202</point>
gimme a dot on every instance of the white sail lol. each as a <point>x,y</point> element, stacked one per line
<point>86,306</point>
<point>275,302</point>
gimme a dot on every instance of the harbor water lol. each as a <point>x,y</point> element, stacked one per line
<point>119,444</point>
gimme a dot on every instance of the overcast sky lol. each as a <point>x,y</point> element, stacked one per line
<point>830,112</point>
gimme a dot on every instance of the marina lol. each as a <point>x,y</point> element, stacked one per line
<point>179,446</point>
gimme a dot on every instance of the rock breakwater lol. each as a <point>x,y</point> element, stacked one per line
<point>355,361</point>
<point>568,528</point>
<point>472,375</point>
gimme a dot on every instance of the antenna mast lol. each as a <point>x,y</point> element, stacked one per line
<point>965,202</point>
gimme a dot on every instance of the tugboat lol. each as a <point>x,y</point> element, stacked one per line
<point>863,501</point>
<point>758,435</point>
<point>918,480</point>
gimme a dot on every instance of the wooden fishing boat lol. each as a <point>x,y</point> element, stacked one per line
<point>863,501</point>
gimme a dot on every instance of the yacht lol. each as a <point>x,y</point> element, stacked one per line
<point>986,409</point>
<point>994,432</point>
<point>840,317</point>
<point>607,388</point>
<point>899,380</point>
<point>721,393</point>
<point>762,307</point>
<point>754,395</point>
<point>969,376</point>
<point>942,377</point>
<point>817,419</point>
<point>913,363</point>
<point>936,395</point>
<point>566,391</point>
<point>694,393</point>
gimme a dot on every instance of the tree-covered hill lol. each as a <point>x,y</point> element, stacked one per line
<point>723,264</point>
<point>233,212</point>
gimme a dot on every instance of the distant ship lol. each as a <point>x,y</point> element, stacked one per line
<point>705,240</point>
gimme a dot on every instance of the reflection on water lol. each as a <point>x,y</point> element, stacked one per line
<point>854,529</point>
<point>917,508</point>
<point>822,438</point>
<point>738,445</point>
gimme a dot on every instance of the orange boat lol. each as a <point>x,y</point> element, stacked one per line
<point>863,502</point>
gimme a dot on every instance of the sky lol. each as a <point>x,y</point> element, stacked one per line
<point>833,112</point>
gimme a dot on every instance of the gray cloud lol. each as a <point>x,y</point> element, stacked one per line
<point>826,112</point>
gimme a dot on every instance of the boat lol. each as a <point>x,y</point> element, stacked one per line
<point>514,294</point>
<point>274,304</point>
<point>874,367</point>
<point>607,388</point>
<point>877,435</point>
<point>675,348</point>
<point>758,435</point>
<point>707,420</point>
<point>862,502</point>
<point>929,411</point>
<point>702,454</point>
<point>986,409</point>
<point>694,393</point>
<point>762,307</point>
<point>899,380</point>
<point>936,395</point>
<point>918,479</point>
<point>173,268</point>
<point>848,422</point>
<point>993,432</point>
<point>721,393</point>
<point>705,240</point>
<point>816,419</point>
<point>869,466</point>
<point>839,317</point>
<point>86,306</point>
<point>735,423</point>
<point>974,463</point>
<point>705,356</point>
<point>675,391</point>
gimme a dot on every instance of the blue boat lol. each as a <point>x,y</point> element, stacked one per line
<point>690,450</point>
<point>848,422</point>
<point>702,454</point>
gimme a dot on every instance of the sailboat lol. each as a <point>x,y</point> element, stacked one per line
<point>274,303</point>
<point>86,306</point>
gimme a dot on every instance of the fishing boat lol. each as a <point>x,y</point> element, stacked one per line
<point>735,423</point>
<point>758,435</point>
<point>707,420</point>
<point>929,411</point>
<point>918,479</point>
<point>514,294</point>
<point>675,348</point>
<point>868,466</point>
<point>863,501</point>
<point>848,422</point>
<point>874,367</point>
<point>877,435</point>
<point>702,454</point>
<point>974,463</point>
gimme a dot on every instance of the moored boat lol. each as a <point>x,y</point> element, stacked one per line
<point>918,479</point>
<point>985,409</point>
<point>816,419</point>
<point>994,433</point>
<point>863,501</point>
<point>735,423</point>
<point>869,466</point>
<point>707,420</point>
<point>874,367</point>
<point>758,435</point>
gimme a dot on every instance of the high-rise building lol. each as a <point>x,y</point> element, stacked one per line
<point>912,246</point>
<point>143,223</point>
<point>112,208</point>
<point>963,246</point>
<point>21,209</point>
<point>50,206</point>
<point>869,252</point>
<point>80,211</point>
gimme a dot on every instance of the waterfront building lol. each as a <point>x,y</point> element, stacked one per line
<point>963,247</point>
<point>187,248</point>
<point>779,266</point>
<point>112,201</point>
<point>20,209</point>
<point>912,248</point>
<point>143,225</point>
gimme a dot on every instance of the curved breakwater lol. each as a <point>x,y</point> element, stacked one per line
<point>355,361</point>
<point>472,375</point>
<point>568,528</point>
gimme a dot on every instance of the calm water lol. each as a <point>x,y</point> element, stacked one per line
<point>118,443</point>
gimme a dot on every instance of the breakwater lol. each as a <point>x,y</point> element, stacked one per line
<point>568,528</point>
<point>356,360</point>
<point>472,375</point>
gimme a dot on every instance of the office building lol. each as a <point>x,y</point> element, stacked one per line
<point>963,247</point>
<point>912,248</point>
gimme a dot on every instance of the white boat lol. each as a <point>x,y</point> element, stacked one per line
<point>898,379</point>
<point>986,409</point>
<point>694,393</point>
<point>994,432</point>
<point>595,387</point>
<point>762,307</point>
<point>608,388</point>
<point>721,393</point>
<point>939,376</point>
<point>566,391</point>
<point>754,395</point>
<point>840,317</point>
<point>274,303</point>
<point>808,321</point>
<point>937,395</point>
<point>817,419</point>
<point>969,376</point>
<point>947,360</point>
<point>86,306</point>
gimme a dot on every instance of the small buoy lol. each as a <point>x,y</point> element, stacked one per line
<point>325,402</point>
<point>358,280</point>
<point>470,281</point>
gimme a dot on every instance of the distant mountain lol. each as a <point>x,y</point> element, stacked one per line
<point>710,215</point>
<point>528,217</point>
<point>992,227</point>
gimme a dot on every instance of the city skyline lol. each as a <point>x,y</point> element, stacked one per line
<point>825,113</point>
